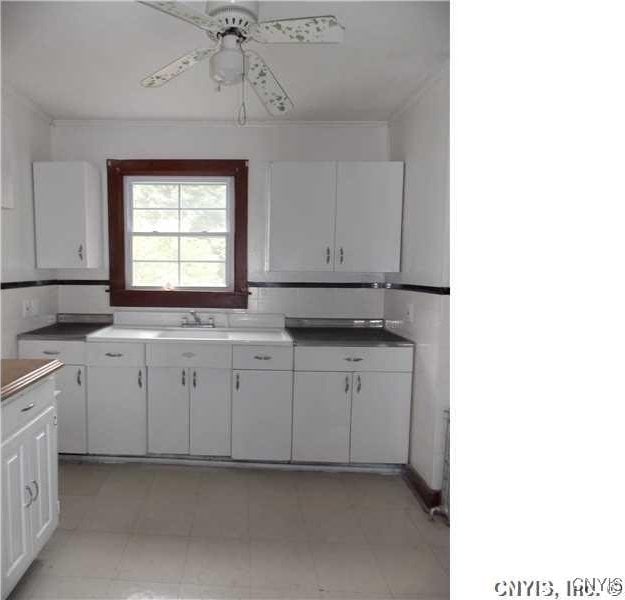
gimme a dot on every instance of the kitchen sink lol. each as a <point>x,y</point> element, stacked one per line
<point>184,333</point>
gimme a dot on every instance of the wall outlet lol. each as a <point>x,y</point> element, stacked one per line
<point>28,309</point>
<point>410,313</point>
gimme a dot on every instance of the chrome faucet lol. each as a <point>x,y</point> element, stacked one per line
<point>196,317</point>
<point>197,320</point>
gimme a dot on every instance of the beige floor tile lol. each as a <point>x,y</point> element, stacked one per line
<point>131,482</point>
<point>282,594</point>
<point>339,595</point>
<point>323,489</point>
<point>156,558</point>
<point>410,570</point>
<point>60,539</point>
<point>175,482</point>
<point>380,492</point>
<point>81,479</point>
<point>441,553</point>
<point>166,515</point>
<point>70,588</point>
<point>276,522</point>
<point>279,565</point>
<point>189,591</point>
<point>109,514</point>
<point>276,488</point>
<point>217,562</point>
<point>347,567</point>
<point>135,590</point>
<point>389,526</point>
<point>223,484</point>
<point>326,523</point>
<point>221,519</point>
<point>73,509</point>
<point>435,533</point>
<point>87,554</point>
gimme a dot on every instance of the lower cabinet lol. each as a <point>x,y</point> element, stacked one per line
<point>321,416</point>
<point>117,409</point>
<point>380,417</point>
<point>262,415</point>
<point>29,495</point>
<point>71,381</point>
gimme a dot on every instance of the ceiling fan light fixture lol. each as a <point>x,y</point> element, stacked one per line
<point>227,65</point>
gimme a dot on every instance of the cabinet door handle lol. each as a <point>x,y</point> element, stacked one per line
<point>188,354</point>
<point>353,359</point>
<point>184,377</point>
<point>30,496</point>
<point>341,255</point>
<point>29,407</point>
<point>194,379</point>
<point>262,357</point>
<point>51,352</point>
<point>140,378</point>
<point>80,251</point>
<point>327,255</point>
<point>36,490</point>
<point>346,383</point>
<point>114,354</point>
<point>358,384</point>
<point>79,377</point>
<point>237,383</point>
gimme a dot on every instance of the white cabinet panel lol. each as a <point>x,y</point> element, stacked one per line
<point>69,353</point>
<point>380,417</point>
<point>191,354</point>
<point>71,381</point>
<point>321,417</point>
<point>210,411</point>
<point>261,415</point>
<point>368,216</point>
<point>301,219</point>
<point>117,415</point>
<point>115,354</point>
<point>349,358</point>
<point>168,410</point>
<point>67,215</point>
<point>261,358</point>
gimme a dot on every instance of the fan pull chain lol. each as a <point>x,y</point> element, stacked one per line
<point>242,114</point>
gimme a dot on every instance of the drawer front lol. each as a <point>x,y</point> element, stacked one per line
<point>333,358</point>
<point>261,358</point>
<point>214,356</point>
<point>70,353</point>
<point>112,354</point>
<point>21,410</point>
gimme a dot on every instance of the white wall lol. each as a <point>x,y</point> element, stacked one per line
<point>419,135</point>
<point>25,138</point>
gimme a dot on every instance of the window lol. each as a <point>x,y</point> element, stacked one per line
<point>177,233</point>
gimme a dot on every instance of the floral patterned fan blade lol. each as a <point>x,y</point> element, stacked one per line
<point>175,68</point>
<point>309,30</point>
<point>266,86</point>
<point>180,11</point>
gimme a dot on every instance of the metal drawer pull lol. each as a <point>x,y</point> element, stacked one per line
<point>80,253</point>
<point>79,377</point>
<point>140,378</point>
<point>51,352</point>
<point>238,382</point>
<point>356,359</point>
<point>341,255</point>
<point>30,496</point>
<point>327,255</point>
<point>188,354</point>
<point>346,383</point>
<point>29,407</point>
<point>184,377</point>
<point>36,490</point>
<point>114,354</point>
<point>194,379</point>
<point>358,384</point>
<point>262,357</point>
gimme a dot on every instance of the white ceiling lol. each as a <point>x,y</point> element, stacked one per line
<point>84,60</point>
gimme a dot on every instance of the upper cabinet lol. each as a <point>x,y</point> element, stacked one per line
<point>67,215</point>
<point>328,216</point>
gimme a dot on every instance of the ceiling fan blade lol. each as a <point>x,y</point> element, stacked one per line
<point>266,86</point>
<point>175,68</point>
<point>188,14</point>
<point>307,30</point>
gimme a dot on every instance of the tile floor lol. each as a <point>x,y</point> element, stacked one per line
<point>162,532</point>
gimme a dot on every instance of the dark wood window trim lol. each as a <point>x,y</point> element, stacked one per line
<point>120,294</point>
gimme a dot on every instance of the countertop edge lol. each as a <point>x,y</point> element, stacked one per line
<point>29,379</point>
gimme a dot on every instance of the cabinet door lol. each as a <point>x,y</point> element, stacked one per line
<point>71,381</point>
<point>44,511</point>
<point>210,411</point>
<point>16,538</point>
<point>302,203</point>
<point>380,417</point>
<point>321,407</point>
<point>117,410</point>
<point>368,216</point>
<point>60,214</point>
<point>261,415</point>
<point>168,410</point>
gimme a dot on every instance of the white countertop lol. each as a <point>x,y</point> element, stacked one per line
<point>116,333</point>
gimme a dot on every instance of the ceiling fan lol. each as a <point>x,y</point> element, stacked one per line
<point>230,25</point>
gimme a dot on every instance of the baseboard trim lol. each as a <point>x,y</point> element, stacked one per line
<point>428,497</point>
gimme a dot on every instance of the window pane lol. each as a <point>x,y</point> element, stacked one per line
<point>154,195</point>
<point>155,274</point>
<point>212,195</point>
<point>203,220</point>
<point>203,274</point>
<point>154,248</point>
<point>155,220</point>
<point>203,248</point>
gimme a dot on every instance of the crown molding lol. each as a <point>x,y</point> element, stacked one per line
<point>186,123</point>
<point>427,81</point>
<point>26,102</point>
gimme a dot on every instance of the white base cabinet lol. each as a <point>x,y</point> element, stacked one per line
<point>71,381</point>
<point>117,407</point>
<point>168,410</point>
<point>261,415</point>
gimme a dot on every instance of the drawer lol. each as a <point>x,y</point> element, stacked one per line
<point>260,358</point>
<point>115,354</point>
<point>333,358</point>
<point>19,411</point>
<point>214,356</point>
<point>70,353</point>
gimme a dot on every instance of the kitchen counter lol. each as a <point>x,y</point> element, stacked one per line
<point>346,336</point>
<point>18,374</point>
<point>62,331</point>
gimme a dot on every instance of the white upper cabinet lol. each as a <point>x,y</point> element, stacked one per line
<point>329,216</point>
<point>301,221</point>
<point>67,215</point>
<point>368,216</point>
